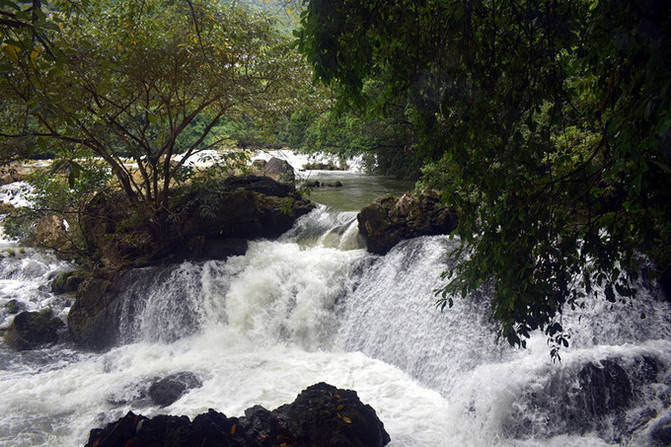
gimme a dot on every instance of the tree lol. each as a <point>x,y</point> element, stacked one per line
<point>130,80</point>
<point>546,124</point>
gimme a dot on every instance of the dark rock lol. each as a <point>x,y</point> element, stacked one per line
<point>326,416</point>
<point>280,171</point>
<point>67,282</point>
<point>93,320</point>
<point>665,281</point>
<point>313,184</point>
<point>13,307</point>
<point>30,330</point>
<point>390,220</point>
<point>321,415</point>
<point>606,387</point>
<point>260,184</point>
<point>169,389</point>
<point>201,248</point>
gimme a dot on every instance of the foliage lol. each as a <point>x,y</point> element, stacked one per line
<point>145,81</point>
<point>546,124</point>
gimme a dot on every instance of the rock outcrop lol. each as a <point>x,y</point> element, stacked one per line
<point>390,219</point>
<point>321,415</point>
<point>30,330</point>
<point>211,222</point>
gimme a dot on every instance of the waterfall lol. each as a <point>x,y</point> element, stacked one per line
<point>314,305</point>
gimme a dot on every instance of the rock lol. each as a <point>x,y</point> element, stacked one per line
<point>169,389</point>
<point>67,282</point>
<point>280,171</point>
<point>50,232</point>
<point>213,221</point>
<point>660,435</point>
<point>321,415</point>
<point>93,320</point>
<point>665,282</point>
<point>13,307</point>
<point>263,185</point>
<point>30,330</point>
<point>326,416</point>
<point>325,166</point>
<point>312,184</point>
<point>606,387</point>
<point>388,220</point>
<point>258,166</point>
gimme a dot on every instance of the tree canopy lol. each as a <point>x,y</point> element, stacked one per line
<point>136,83</point>
<point>546,124</point>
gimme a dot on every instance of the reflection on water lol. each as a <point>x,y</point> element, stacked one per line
<point>358,190</point>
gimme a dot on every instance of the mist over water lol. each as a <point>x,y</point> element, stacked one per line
<point>315,306</point>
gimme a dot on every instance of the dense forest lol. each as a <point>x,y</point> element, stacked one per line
<point>545,125</point>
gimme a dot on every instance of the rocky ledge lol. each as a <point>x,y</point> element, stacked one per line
<point>322,415</point>
<point>391,219</point>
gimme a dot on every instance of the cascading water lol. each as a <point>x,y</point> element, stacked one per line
<point>315,306</point>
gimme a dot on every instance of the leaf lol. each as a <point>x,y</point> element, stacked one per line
<point>346,419</point>
<point>233,428</point>
<point>12,51</point>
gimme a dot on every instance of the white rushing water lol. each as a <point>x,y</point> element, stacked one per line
<point>314,306</point>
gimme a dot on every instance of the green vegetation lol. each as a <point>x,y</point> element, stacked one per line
<point>546,124</point>
<point>135,84</point>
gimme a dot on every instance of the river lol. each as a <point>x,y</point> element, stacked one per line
<point>315,306</point>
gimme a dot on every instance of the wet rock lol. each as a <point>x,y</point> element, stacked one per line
<point>13,307</point>
<point>390,220</point>
<point>169,389</point>
<point>312,184</point>
<point>665,282</point>
<point>93,320</point>
<point>205,221</point>
<point>321,415</point>
<point>280,171</point>
<point>67,282</point>
<point>30,330</point>
<point>606,387</point>
<point>326,416</point>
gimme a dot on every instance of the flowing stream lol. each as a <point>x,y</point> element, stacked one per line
<point>315,306</point>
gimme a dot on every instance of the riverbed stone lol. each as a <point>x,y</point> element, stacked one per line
<point>322,415</point>
<point>30,330</point>
<point>391,219</point>
<point>165,391</point>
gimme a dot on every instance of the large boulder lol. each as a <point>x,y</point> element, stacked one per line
<point>212,221</point>
<point>321,415</point>
<point>279,170</point>
<point>93,320</point>
<point>30,330</point>
<point>390,219</point>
